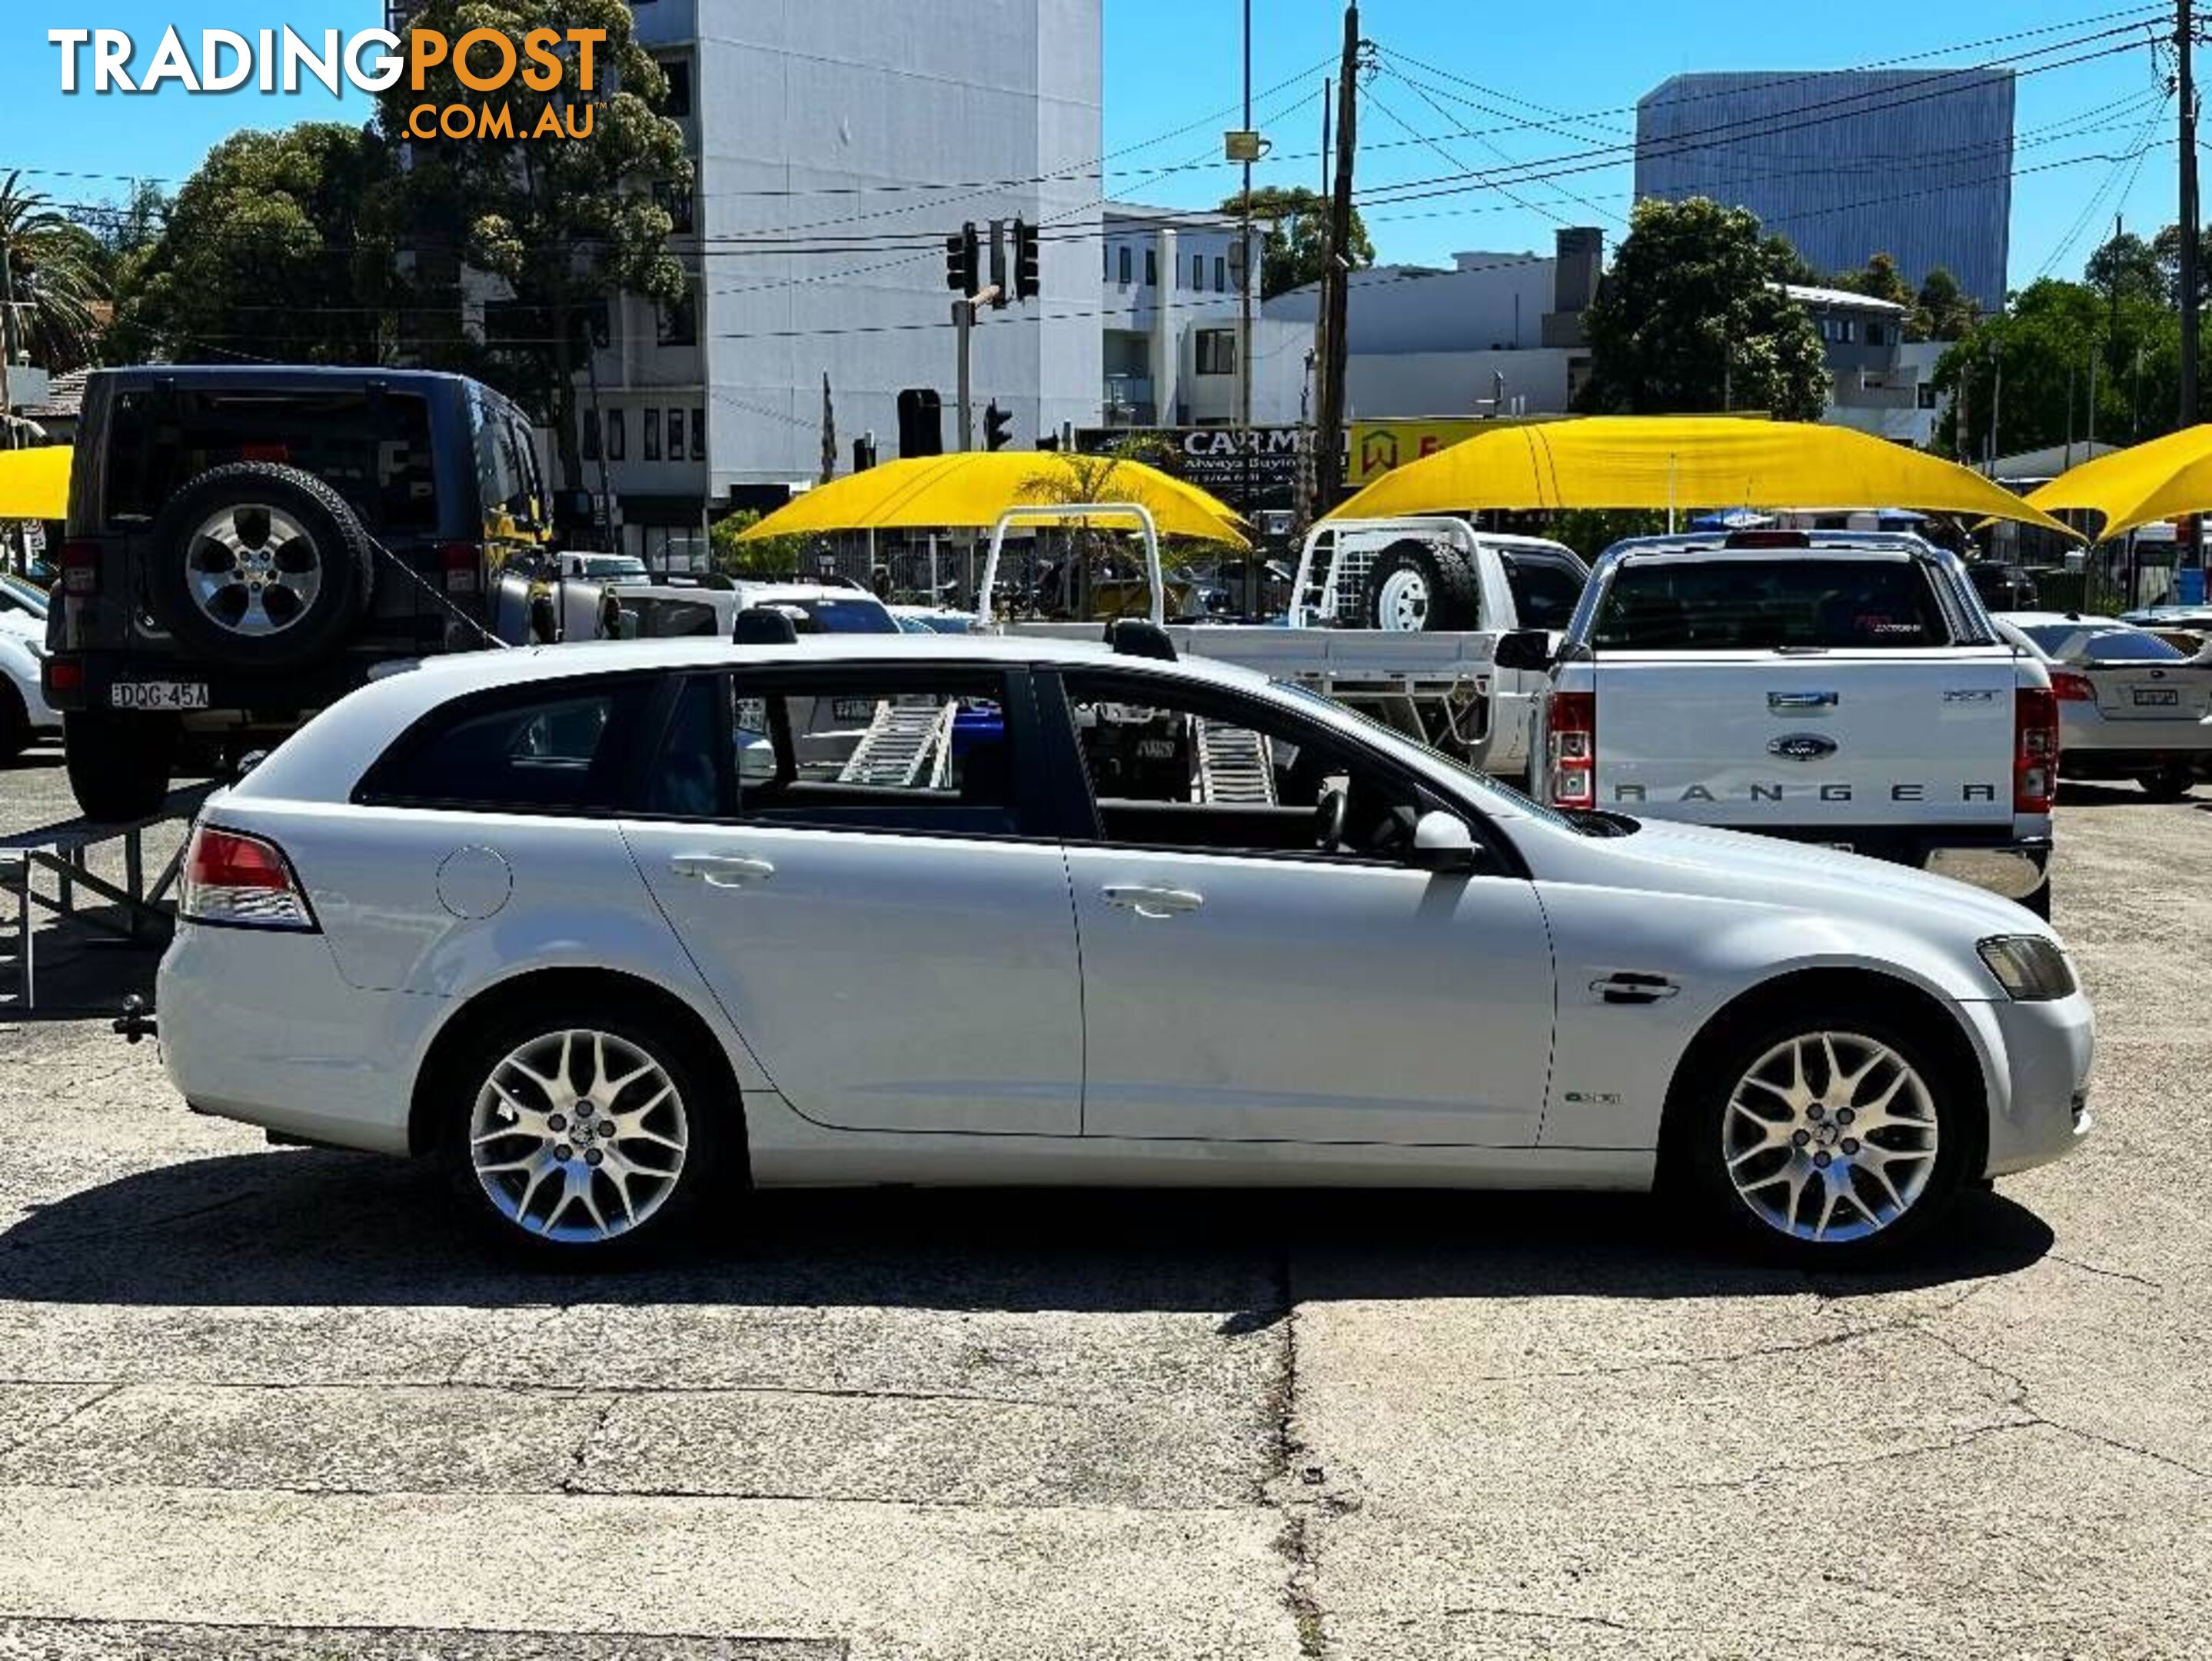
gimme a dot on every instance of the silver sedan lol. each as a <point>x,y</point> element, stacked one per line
<point>2131,705</point>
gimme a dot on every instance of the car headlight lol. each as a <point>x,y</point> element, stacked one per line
<point>2029,967</point>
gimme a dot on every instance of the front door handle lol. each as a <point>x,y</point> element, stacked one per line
<point>1149,902</point>
<point>721,870</point>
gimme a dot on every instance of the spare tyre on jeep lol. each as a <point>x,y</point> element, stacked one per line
<point>260,563</point>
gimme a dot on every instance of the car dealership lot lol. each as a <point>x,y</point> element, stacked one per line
<point>277,1390</point>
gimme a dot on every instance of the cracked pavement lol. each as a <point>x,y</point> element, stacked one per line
<point>272,1402</point>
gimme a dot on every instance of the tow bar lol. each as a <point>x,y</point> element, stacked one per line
<point>136,1022</point>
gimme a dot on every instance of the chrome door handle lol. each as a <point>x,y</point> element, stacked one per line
<point>1801,700</point>
<point>1629,986</point>
<point>1147,902</point>
<point>720,870</point>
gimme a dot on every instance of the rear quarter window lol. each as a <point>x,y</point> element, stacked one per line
<point>1727,605</point>
<point>544,750</point>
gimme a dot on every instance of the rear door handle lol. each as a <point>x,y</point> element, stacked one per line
<point>721,870</point>
<point>1148,902</point>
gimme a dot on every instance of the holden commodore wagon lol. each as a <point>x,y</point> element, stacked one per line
<point>611,932</point>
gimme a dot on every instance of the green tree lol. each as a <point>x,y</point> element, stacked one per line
<point>266,252</point>
<point>1296,236</point>
<point>2127,267</point>
<point>1942,310</point>
<point>568,222</point>
<point>2043,346</point>
<point>51,308</point>
<point>770,556</point>
<point>1693,318</point>
<point>2166,244</point>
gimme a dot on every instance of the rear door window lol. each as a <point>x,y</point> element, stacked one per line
<point>1760,605</point>
<point>943,751</point>
<point>374,451</point>
<point>1545,591</point>
<point>557,749</point>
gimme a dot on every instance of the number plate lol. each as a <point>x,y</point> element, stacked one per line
<point>158,695</point>
<point>2164,697</point>
<point>857,711</point>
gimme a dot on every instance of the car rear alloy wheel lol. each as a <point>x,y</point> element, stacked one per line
<point>254,570</point>
<point>1830,1137</point>
<point>579,1136</point>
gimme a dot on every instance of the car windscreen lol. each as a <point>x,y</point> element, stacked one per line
<point>374,451</point>
<point>1763,605</point>
<point>860,615</point>
<point>2082,642</point>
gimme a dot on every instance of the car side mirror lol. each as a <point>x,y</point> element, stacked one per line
<point>1444,845</point>
<point>1523,648</point>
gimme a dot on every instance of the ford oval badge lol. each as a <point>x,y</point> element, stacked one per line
<point>1802,747</point>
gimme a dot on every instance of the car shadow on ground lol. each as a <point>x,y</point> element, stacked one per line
<point>2077,792</point>
<point>308,1228</point>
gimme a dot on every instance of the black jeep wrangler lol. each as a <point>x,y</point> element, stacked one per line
<point>245,543</point>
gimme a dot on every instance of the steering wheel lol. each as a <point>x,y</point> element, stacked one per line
<point>1330,810</point>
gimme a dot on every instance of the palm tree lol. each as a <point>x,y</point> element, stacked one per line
<point>55,286</point>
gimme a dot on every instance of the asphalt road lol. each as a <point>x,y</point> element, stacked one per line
<point>258,1403</point>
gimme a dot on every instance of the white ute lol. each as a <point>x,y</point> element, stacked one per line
<point>1842,688</point>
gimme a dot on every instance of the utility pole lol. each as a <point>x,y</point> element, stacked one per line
<point>7,351</point>
<point>2185,41</point>
<point>1247,276</point>
<point>1328,436</point>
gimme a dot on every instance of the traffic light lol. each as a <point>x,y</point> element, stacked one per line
<point>999,296</point>
<point>998,428</point>
<point>1048,441</point>
<point>960,256</point>
<point>864,452</point>
<point>922,422</point>
<point>1025,261</point>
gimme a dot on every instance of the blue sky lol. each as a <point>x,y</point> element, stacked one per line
<point>1176,64</point>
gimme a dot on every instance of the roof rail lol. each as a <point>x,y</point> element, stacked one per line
<point>1136,637</point>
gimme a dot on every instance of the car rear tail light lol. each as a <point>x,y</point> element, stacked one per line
<point>80,567</point>
<point>2070,688</point>
<point>241,882</point>
<point>460,562</point>
<point>64,674</point>
<point>2035,748</point>
<point>1571,748</point>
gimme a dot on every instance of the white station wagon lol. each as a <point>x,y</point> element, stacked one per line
<point>611,931</point>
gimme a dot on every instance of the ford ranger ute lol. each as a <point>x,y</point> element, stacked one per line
<point>1841,688</point>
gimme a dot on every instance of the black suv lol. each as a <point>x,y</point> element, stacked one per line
<point>245,543</point>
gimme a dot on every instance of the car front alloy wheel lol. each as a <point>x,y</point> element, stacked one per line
<point>1826,1139</point>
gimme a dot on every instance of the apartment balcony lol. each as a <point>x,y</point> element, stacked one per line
<point>1128,402</point>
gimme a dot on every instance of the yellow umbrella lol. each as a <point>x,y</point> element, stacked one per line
<point>2163,479</point>
<point>1683,462</point>
<point>969,490</point>
<point>34,484</point>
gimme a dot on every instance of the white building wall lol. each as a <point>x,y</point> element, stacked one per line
<point>1384,384</point>
<point>858,131</point>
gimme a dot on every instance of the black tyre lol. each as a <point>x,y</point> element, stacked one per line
<point>258,565</point>
<point>2170,782</point>
<point>14,722</point>
<point>582,1136</point>
<point>1416,587</point>
<point>119,764</point>
<point>1827,1137</point>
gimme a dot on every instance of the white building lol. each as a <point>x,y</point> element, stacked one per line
<point>1171,308</point>
<point>836,145</point>
<point>1497,334</point>
<point>1879,381</point>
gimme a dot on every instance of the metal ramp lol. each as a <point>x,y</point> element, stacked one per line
<point>907,745</point>
<point>1233,764</point>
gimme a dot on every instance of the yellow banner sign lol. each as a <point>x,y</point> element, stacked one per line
<point>1379,446</point>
